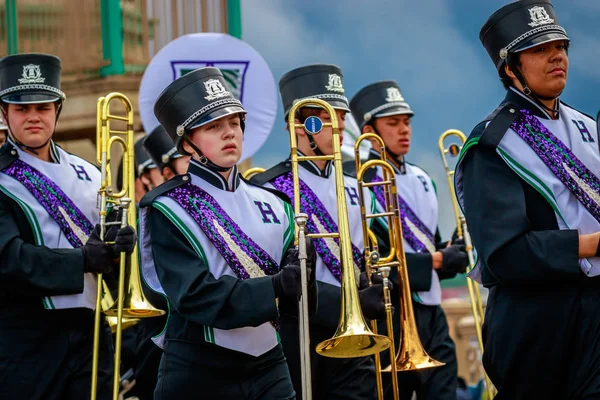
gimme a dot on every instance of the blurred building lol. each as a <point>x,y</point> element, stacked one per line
<point>104,46</point>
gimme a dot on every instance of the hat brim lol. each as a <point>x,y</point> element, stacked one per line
<point>338,105</point>
<point>216,114</point>
<point>31,98</point>
<point>394,111</point>
<point>542,38</point>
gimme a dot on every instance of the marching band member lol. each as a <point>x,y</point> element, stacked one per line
<point>380,108</point>
<point>351,378</point>
<point>164,154</point>
<point>216,243</point>
<point>528,183</point>
<point>50,250</point>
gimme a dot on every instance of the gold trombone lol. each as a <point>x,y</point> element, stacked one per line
<point>411,355</point>
<point>250,172</point>
<point>463,233</point>
<point>374,262</point>
<point>353,338</point>
<point>131,301</point>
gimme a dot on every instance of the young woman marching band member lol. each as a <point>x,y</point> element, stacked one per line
<point>50,250</point>
<point>528,183</point>
<point>215,244</point>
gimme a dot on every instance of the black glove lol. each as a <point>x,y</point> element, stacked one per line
<point>455,259</point>
<point>455,239</point>
<point>371,297</point>
<point>98,256</point>
<point>125,241</point>
<point>287,282</point>
<point>363,281</point>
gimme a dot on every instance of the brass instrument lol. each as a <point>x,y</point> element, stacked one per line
<point>374,263</point>
<point>462,233</point>
<point>411,355</point>
<point>353,337</point>
<point>131,301</point>
<point>106,302</point>
<point>250,172</point>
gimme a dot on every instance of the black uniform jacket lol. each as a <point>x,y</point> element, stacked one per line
<point>529,264</point>
<point>197,298</point>
<point>29,272</point>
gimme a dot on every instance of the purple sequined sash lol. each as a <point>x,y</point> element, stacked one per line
<point>311,205</point>
<point>406,213</point>
<point>561,161</point>
<point>207,213</point>
<point>53,199</point>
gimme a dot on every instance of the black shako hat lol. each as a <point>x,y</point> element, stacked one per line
<point>143,161</point>
<point>320,81</point>
<point>193,100</point>
<point>160,147</point>
<point>29,78</point>
<point>519,26</point>
<point>379,99</point>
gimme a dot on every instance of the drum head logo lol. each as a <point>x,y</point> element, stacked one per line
<point>393,95</point>
<point>539,16</point>
<point>313,125</point>
<point>234,73</point>
<point>31,74</point>
<point>214,89</point>
<point>335,83</point>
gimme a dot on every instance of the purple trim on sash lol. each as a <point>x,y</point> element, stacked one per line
<point>203,208</point>
<point>553,152</point>
<point>51,197</point>
<point>406,212</point>
<point>311,205</point>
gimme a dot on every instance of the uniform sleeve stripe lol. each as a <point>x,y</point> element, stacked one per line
<point>182,227</point>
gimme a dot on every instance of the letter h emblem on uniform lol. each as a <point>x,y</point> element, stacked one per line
<point>268,215</point>
<point>352,194</point>
<point>81,172</point>
<point>586,136</point>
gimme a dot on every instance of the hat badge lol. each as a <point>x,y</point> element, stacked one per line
<point>539,16</point>
<point>335,83</point>
<point>393,95</point>
<point>31,74</point>
<point>214,89</point>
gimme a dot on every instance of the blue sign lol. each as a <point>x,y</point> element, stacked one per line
<point>313,125</point>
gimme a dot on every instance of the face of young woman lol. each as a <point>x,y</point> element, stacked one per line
<point>220,140</point>
<point>545,68</point>
<point>32,124</point>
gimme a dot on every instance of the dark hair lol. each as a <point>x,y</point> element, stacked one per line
<point>306,112</point>
<point>513,61</point>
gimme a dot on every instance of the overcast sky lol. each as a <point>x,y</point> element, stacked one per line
<point>431,47</point>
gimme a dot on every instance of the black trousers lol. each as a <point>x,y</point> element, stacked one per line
<point>553,351</point>
<point>47,355</point>
<point>143,356</point>
<point>438,383</point>
<point>210,372</point>
<point>332,378</point>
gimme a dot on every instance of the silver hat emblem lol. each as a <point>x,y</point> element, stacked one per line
<point>393,95</point>
<point>180,130</point>
<point>214,89</point>
<point>539,16</point>
<point>31,74</point>
<point>335,83</point>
